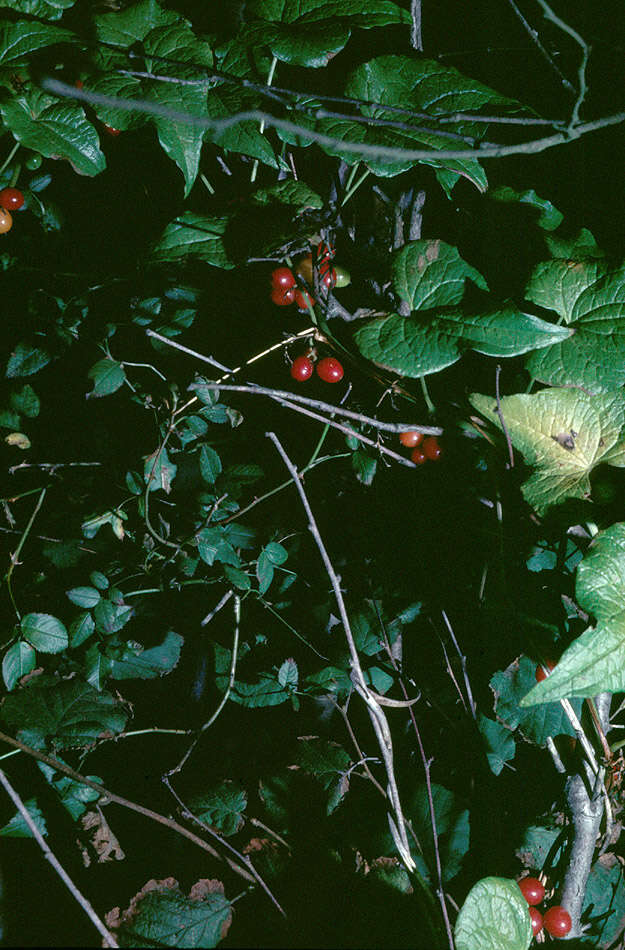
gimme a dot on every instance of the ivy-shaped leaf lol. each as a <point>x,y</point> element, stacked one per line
<point>427,342</point>
<point>592,303</point>
<point>563,434</point>
<point>494,916</point>
<point>430,273</point>
<point>595,662</point>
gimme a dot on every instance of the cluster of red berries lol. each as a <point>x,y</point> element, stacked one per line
<point>11,199</point>
<point>556,920</point>
<point>285,285</point>
<point>329,369</point>
<point>424,449</point>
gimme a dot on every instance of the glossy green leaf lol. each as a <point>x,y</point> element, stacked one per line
<point>125,27</point>
<point>44,632</point>
<point>427,342</point>
<point>294,194</point>
<point>108,376</point>
<point>158,471</point>
<point>213,545</point>
<point>55,129</point>
<point>210,464</point>
<point>267,691</point>
<point>245,137</point>
<point>17,827</point>
<point>74,796</point>
<point>329,763</point>
<point>19,660</point>
<point>161,916</point>
<point>81,629</point>
<point>21,38</point>
<point>84,596</point>
<point>562,434</point>
<point>549,217</point>
<point>45,9</point>
<point>194,236</point>
<point>537,723</point>
<point>498,742</point>
<point>68,713</point>
<point>111,617</point>
<point>310,33</point>
<point>419,86</point>
<point>430,273</point>
<point>137,662</point>
<point>222,807</point>
<point>595,662</point>
<point>494,916</point>
<point>26,360</point>
<point>364,466</point>
<point>592,302</point>
<point>25,401</point>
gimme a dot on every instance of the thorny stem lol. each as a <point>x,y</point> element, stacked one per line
<point>109,939</point>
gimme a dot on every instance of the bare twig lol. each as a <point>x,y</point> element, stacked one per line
<point>18,550</point>
<point>501,418</point>
<point>51,466</point>
<point>533,35</point>
<point>463,664</point>
<point>362,149</point>
<point>416,40</point>
<point>396,820</point>
<point>109,939</point>
<point>222,603</point>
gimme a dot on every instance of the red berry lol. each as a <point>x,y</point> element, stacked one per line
<point>418,457</point>
<point>532,890</point>
<point>330,370</point>
<point>301,369</point>
<point>11,199</point>
<point>541,672</point>
<point>6,222</point>
<point>431,448</point>
<point>79,84</point>
<point>303,299</point>
<point>327,277</point>
<point>283,278</point>
<point>557,921</point>
<point>282,298</point>
<point>111,131</point>
<point>537,920</point>
<point>324,252</point>
<point>411,439</point>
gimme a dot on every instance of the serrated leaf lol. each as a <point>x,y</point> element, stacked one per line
<point>364,466</point>
<point>419,86</point>
<point>136,662</point>
<point>108,376</point>
<point>222,807</point>
<point>288,675</point>
<point>158,471</point>
<point>210,464</point>
<point>498,741</point>
<point>563,434</point>
<point>84,596</point>
<point>266,692</point>
<point>427,342</point>
<point>295,194</point>
<point>111,617</point>
<point>74,796</point>
<point>26,360</point>
<point>595,662</point>
<point>430,273</point>
<point>25,401</point>
<point>452,827</point>
<point>81,629</point>
<point>163,916</point>
<point>17,827</point>
<point>194,236</point>
<point>329,763</point>
<point>264,572</point>
<point>213,545</point>
<point>537,723</point>
<point>44,632</point>
<point>56,130</point>
<point>593,304</point>
<point>549,217</point>
<point>311,33</point>
<point>45,9</point>
<point>494,916</point>
<point>69,713</point>
<point>19,660</point>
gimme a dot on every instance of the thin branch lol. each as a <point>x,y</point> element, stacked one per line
<point>550,15</point>
<point>15,555</point>
<point>463,664</point>
<point>380,152</point>
<point>109,939</point>
<point>378,718</point>
<point>533,35</point>
<point>51,466</point>
<point>108,796</point>
<point>222,603</point>
<point>416,39</point>
<point>326,407</point>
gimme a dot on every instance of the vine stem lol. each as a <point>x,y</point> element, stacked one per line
<point>379,722</point>
<point>109,939</point>
<point>18,550</point>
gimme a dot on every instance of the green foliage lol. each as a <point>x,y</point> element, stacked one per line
<point>167,590</point>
